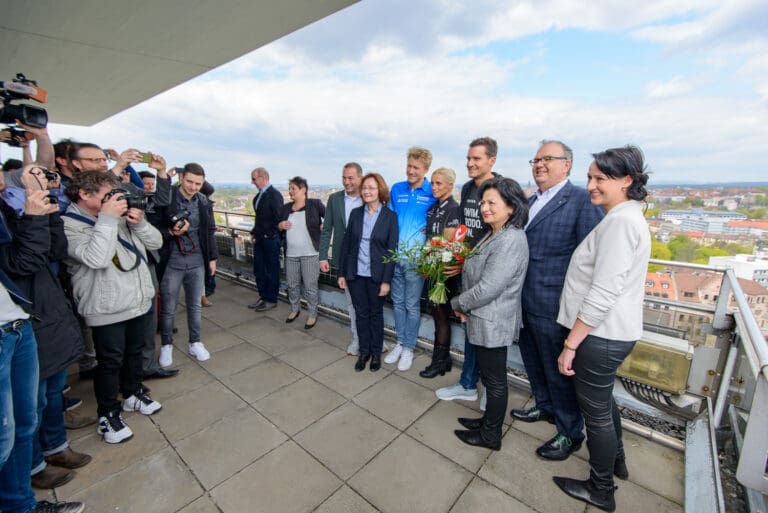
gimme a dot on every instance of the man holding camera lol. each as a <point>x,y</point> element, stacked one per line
<point>189,249</point>
<point>112,287</point>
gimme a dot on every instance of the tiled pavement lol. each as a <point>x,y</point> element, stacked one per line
<point>278,421</point>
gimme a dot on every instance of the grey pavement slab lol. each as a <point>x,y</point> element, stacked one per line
<point>408,477</point>
<point>345,501</point>
<point>203,504</point>
<point>341,377</point>
<point>313,357</point>
<point>481,496</point>
<point>262,379</point>
<point>190,377</point>
<point>234,359</point>
<point>227,313</point>
<point>396,400</point>
<point>298,405</point>
<point>287,480</point>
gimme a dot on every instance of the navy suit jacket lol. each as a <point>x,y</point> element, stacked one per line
<point>383,239</point>
<point>552,237</point>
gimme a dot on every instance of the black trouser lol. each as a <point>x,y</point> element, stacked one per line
<point>118,349</point>
<point>441,315</point>
<point>492,362</point>
<point>595,365</point>
<point>369,314</point>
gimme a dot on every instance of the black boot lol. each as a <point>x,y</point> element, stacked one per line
<point>441,363</point>
<point>585,491</point>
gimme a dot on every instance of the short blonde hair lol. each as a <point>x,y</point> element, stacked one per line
<point>447,173</point>
<point>421,154</point>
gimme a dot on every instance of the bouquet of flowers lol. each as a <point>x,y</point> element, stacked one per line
<point>431,259</point>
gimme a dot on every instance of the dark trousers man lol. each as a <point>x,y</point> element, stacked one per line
<point>266,267</point>
<point>118,349</point>
<point>541,340</point>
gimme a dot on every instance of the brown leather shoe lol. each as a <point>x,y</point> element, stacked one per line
<point>205,301</point>
<point>74,421</point>
<point>52,477</point>
<point>68,459</point>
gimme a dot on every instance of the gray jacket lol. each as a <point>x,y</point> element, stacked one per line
<point>492,280</point>
<point>104,293</point>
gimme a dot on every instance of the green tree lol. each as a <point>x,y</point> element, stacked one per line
<point>702,254</point>
<point>683,248</point>
<point>659,251</point>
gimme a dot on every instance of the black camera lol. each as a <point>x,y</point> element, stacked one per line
<point>177,221</point>
<point>143,201</point>
<point>21,88</point>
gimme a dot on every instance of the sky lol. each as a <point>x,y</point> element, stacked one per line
<point>685,80</point>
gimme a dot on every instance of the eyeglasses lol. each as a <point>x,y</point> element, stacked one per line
<point>102,159</point>
<point>546,159</point>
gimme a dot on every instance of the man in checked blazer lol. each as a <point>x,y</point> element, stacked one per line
<point>340,204</point>
<point>560,216</point>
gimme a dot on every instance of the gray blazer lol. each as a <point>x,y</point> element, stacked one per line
<point>492,280</point>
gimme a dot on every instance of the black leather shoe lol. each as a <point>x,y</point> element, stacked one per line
<point>473,437</point>
<point>584,491</point>
<point>531,415</point>
<point>558,448</point>
<point>264,306</point>
<point>162,374</point>
<point>470,423</point>
<point>620,469</point>
<point>257,304</point>
<point>361,361</point>
<point>375,362</point>
<point>290,319</point>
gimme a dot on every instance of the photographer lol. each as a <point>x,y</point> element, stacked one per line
<point>189,249</point>
<point>26,362</point>
<point>113,289</point>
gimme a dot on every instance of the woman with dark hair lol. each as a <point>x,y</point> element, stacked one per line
<point>492,278</point>
<point>302,221</point>
<point>371,235</point>
<point>602,305</point>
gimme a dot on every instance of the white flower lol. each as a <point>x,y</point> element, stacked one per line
<point>446,256</point>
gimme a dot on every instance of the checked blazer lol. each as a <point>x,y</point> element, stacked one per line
<point>552,237</point>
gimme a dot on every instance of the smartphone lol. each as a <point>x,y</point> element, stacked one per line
<point>146,158</point>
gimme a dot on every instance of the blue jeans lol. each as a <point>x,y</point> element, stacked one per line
<point>194,283</point>
<point>470,372</point>
<point>18,417</point>
<point>266,267</point>
<point>406,290</point>
<point>51,436</point>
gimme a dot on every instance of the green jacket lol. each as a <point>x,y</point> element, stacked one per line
<point>334,226</point>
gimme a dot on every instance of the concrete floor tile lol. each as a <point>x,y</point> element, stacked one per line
<point>345,501</point>
<point>222,340</point>
<point>341,377</point>
<point>296,406</point>
<point>517,471</point>
<point>169,488</point>
<point>408,477</point>
<point>262,379</point>
<point>227,313</point>
<point>202,505</point>
<point>396,400</point>
<point>311,358</point>
<point>272,336</point>
<point>191,412</point>
<point>435,429</point>
<point>222,449</point>
<point>208,328</point>
<point>111,458</point>
<point>345,439</point>
<point>668,476</point>
<point>631,498</point>
<point>190,377</point>
<point>287,480</point>
<point>481,496</point>
<point>333,332</point>
<point>234,359</point>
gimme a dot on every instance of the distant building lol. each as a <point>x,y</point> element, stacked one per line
<point>748,267</point>
<point>700,220</point>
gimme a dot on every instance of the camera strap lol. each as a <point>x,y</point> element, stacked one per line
<point>127,245</point>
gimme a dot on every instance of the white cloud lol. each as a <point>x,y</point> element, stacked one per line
<point>665,89</point>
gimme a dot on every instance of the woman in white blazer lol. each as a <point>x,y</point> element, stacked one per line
<point>602,305</point>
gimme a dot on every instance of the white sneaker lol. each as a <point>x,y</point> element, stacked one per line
<point>483,400</point>
<point>394,354</point>
<point>142,403</point>
<point>406,359</point>
<point>113,429</point>
<point>166,355</point>
<point>456,392</point>
<point>353,348</point>
<point>199,351</point>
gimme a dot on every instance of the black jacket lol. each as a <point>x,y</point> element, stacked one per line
<point>314,214</point>
<point>383,239</point>
<point>206,233</point>
<point>37,241</point>
<point>268,215</point>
